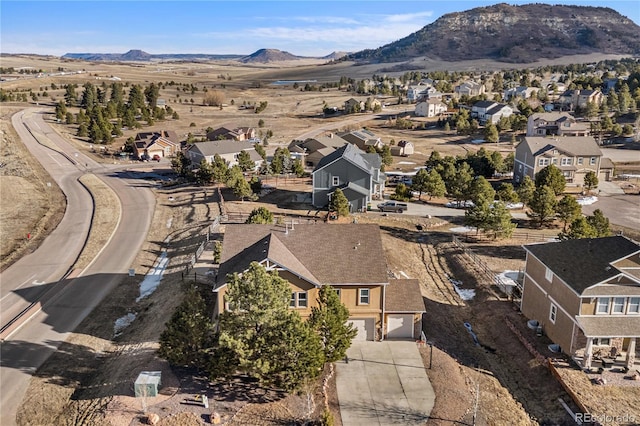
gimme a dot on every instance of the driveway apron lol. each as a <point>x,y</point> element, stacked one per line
<point>383,383</point>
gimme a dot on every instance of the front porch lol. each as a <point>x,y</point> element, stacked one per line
<point>610,364</point>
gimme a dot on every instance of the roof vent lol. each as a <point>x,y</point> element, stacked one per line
<point>608,268</point>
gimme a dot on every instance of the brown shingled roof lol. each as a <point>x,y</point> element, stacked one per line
<point>403,296</point>
<point>322,253</point>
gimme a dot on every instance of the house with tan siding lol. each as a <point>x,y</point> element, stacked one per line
<point>574,156</point>
<point>349,257</point>
<point>585,294</point>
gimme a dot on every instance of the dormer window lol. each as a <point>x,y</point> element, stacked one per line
<point>602,307</point>
<point>335,180</point>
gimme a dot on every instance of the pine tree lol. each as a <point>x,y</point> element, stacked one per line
<point>245,162</point>
<point>260,215</point>
<point>599,223</point>
<point>526,189</point>
<point>329,320</point>
<point>271,342</point>
<point>435,186</point>
<point>542,205</point>
<point>419,182</point>
<point>590,180</point>
<point>339,203</point>
<point>552,177</point>
<point>189,332</point>
<point>499,221</point>
<point>568,210</point>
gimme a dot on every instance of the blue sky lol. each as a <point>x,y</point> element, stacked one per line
<point>302,27</point>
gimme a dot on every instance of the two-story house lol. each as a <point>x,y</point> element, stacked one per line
<point>585,293</point>
<point>353,171</point>
<point>522,92</point>
<point>416,92</point>
<point>237,134</point>
<point>312,150</point>
<point>349,257</point>
<point>574,156</point>
<point>579,98</point>
<point>432,107</point>
<point>362,138</point>
<point>160,144</point>
<point>556,124</point>
<point>228,150</point>
<point>490,112</point>
<point>469,88</point>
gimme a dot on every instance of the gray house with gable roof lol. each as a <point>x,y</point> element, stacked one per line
<point>353,171</point>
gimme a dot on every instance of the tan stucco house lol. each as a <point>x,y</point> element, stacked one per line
<point>349,257</point>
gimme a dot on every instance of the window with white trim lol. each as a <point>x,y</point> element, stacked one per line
<point>601,341</point>
<point>553,313</point>
<point>592,161</point>
<point>298,299</point>
<point>548,274</point>
<point>566,161</point>
<point>602,307</point>
<point>335,180</point>
<point>554,161</point>
<point>579,161</point>
<point>543,162</point>
<point>363,296</point>
<point>618,305</point>
<point>337,290</point>
<point>634,305</point>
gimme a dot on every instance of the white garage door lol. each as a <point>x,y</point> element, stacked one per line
<point>365,328</point>
<point>399,325</point>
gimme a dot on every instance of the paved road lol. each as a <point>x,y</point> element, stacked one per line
<point>621,210</point>
<point>384,383</point>
<point>27,348</point>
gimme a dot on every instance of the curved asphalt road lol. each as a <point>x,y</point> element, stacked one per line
<point>25,281</point>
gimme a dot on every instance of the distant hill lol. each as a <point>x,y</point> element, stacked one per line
<point>335,55</point>
<point>139,55</point>
<point>269,55</point>
<point>519,34</point>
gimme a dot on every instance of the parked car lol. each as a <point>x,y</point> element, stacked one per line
<point>460,204</point>
<point>392,206</point>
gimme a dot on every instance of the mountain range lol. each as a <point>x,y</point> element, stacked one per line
<point>502,32</point>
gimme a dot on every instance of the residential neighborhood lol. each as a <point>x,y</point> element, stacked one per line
<point>391,236</point>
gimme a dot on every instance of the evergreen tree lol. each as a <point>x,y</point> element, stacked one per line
<point>220,169</point>
<point>189,333</point>
<point>435,186</point>
<point>491,133</point>
<point>61,110</point>
<point>419,182</point>
<point>590,180</point>
<point>280,161</point>
<point>70,96</point>
<point>329,320</point>
<point>599,223</point>
<point>478,215</point>
<point>526,189</point>
<point>579,228</point>
<point>499,221</point>
<point>552,177</point>
<point>204,173</point>
<point>481,188</point>
<point>270,341</point>
<point>459,186</point>
<point>260,215</point>
<point>245,162</point>
<point>568,210</point>
<point>256,184</point>
<point>239,184</point>
<point>542,205</point>
<point>261,152</point>
<point>506,193</point>
<point>181,164</point>
<point>339,203</point>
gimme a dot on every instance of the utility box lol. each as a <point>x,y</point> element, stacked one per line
<point>147,383</point>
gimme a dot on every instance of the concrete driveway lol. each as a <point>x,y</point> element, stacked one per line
<point>384,383</point>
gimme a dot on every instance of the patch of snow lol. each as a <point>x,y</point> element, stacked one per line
<point>585,201</point>
<point>464,293</point>
<point>478,141</point>
<point>463,229</point>
<point>508,277</point>
<point>404,275</point>
<point>406,162</point>
<point>512,206</point>
<point>122,323</point>
<point>169,222</point>
<point>152,279</point>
